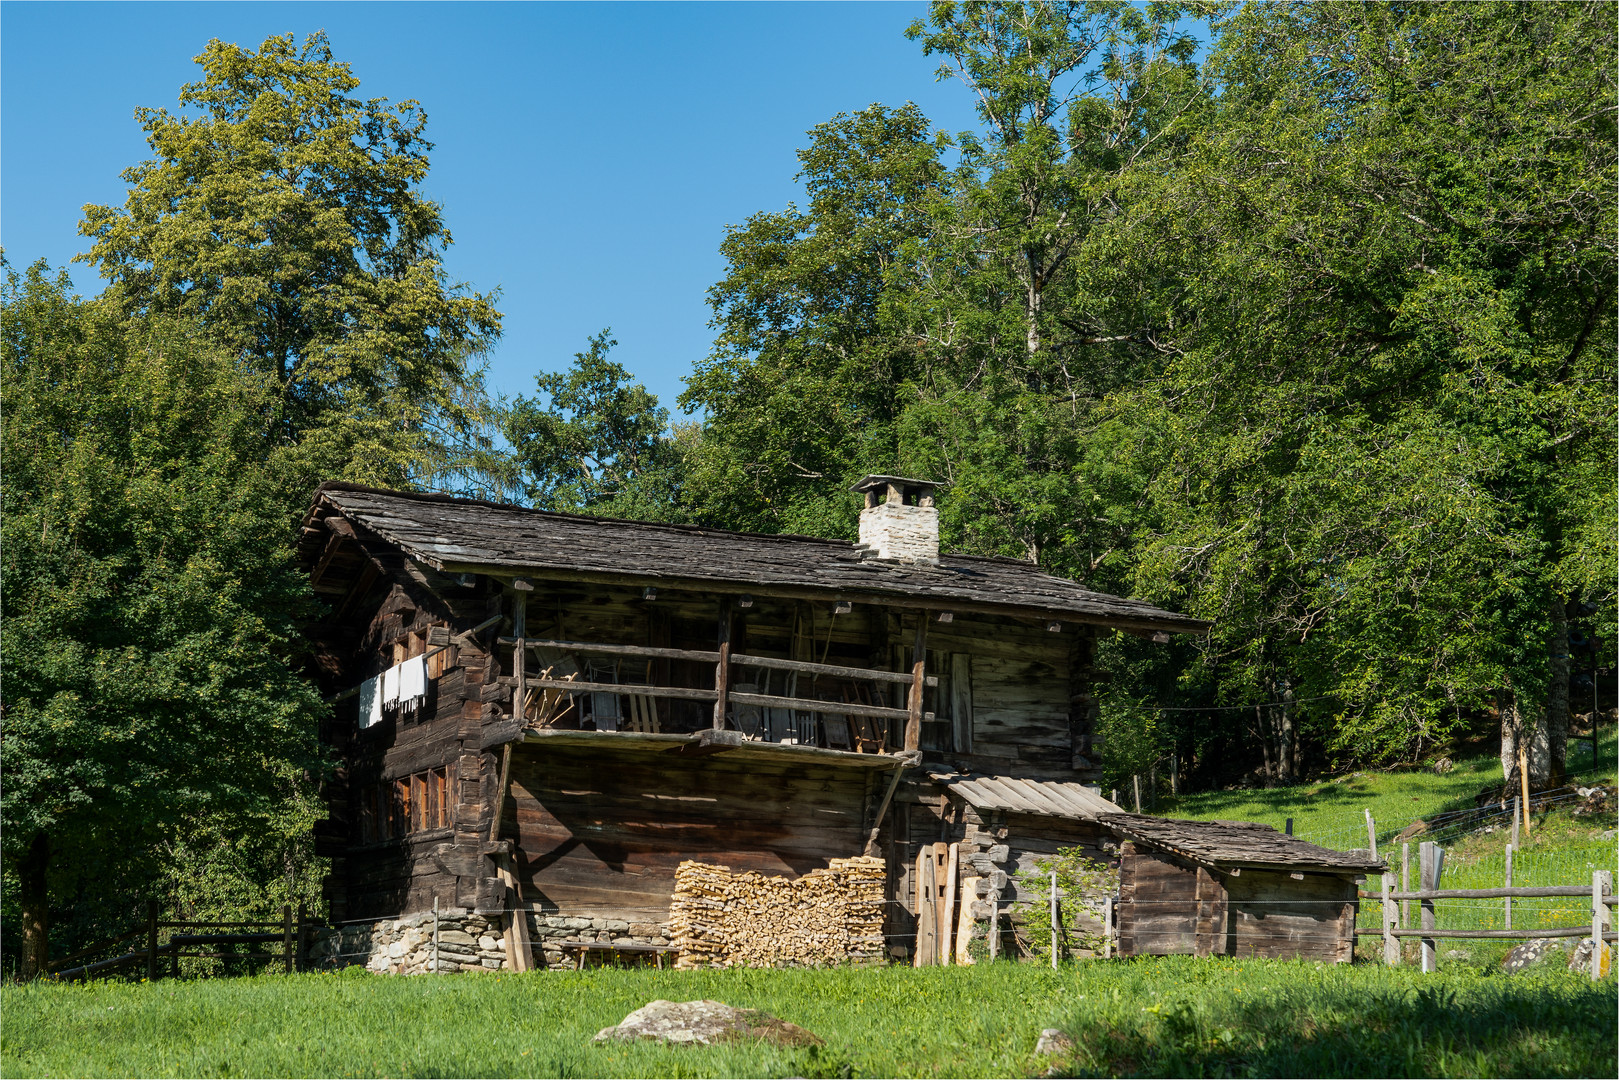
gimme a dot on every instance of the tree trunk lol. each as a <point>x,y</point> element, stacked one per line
<point>1286,736</point>
<point>1262,723</point>
<point>1519,725</point>
<point>36,912</point>
<point>1556,725</point>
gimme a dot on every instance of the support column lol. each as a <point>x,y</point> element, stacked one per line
<point>919,656</point>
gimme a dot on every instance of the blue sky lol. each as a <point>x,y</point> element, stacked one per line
<point>588,156</point>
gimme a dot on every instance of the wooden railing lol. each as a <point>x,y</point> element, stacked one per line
<point>1599,892</point>
<point>291,935</point>
<point>722,695</point>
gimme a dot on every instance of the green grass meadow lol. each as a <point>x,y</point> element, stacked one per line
<point>1176,1016</point>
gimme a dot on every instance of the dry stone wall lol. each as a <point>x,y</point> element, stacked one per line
<point>468,941</point>
<point>830,916</point>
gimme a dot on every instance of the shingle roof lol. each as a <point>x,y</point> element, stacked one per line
<point>468,535</point>
<point>1236,843</point>
<point>1044,798</point>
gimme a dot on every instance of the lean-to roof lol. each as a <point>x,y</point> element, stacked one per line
<point>1042,798</point>
<point>1236,843</point>
<point>471,536</point>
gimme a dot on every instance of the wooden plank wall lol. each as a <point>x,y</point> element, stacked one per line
<point>602,832</point>
<point>1273,914</point>
<point>1158,896</point>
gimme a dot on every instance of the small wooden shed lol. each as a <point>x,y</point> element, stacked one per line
<point>1233,888</point>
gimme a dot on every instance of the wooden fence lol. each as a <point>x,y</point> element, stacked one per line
<point>285,940</point>
<point>1396,911</point>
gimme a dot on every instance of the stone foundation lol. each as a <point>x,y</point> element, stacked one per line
<point>468,941</point>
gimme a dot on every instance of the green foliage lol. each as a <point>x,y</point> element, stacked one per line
<point>151,605</point>
<point>1373,460</point>
<point>284,217</point>
<point>599,443</point>
<point>812,360</point>
<point>1177,1016</point>
<point>1082,882</point>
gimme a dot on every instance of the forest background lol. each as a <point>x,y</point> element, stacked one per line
<point>1314,338</point>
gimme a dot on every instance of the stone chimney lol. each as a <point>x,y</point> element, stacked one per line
<point>900,522</point>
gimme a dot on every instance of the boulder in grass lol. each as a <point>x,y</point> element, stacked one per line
<point>1580,959</point>
<point>1533,953</point>
<point>705,1022</point>
<point>1055,1042</point>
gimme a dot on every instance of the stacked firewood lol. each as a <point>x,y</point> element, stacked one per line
<point>831,916</point>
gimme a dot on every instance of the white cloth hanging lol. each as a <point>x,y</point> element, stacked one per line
<point>371,702</point>
<point>413,683</point>
<point>390,687</point>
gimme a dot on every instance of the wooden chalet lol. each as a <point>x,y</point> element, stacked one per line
<point>1232,888</point>
<point>604,699</point>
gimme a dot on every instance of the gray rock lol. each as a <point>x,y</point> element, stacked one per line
<point>705,1022</point>
<point>456,937</point>
<point>1053,1041</point>
<point>1580,958</point>
<point>1532,954</point>
<point>617,926</point>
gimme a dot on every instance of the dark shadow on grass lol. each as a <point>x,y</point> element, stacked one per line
<point>1505,1026</point>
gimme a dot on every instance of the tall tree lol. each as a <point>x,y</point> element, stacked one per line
<point>284,216</point>
<point>150,601</point>
<point>1383,456</point>
<point>812,355</point>
<point>597,443</point>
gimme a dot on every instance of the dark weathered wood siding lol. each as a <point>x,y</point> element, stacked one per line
<point>603,831</point>
<point>1168,905</point>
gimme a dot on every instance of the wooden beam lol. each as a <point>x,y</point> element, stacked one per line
<point>333,542</point>
<point>919,655</point>
<point>829,708</point>
<point>520,653</point>
<point>722,667</point>
<point>882,812</point>
<point>832,671</point>
<point>640,651</point>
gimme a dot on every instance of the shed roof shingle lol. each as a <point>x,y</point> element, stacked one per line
<point>1236,843</point>
<point>457,535</point>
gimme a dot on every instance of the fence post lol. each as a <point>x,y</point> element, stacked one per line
<point>1174,773</point>
<point>1601,883</point>
<point>1289,830</point>
<point>286,937</point>
<point>1405,885</point>
<point>435,935</point>
<point>151,941</point>
<point>1391,944</point>
<point>994,927</point>
<point>1371,833</point>
<point>1136,783</point>
<point>1107,928</point>
<point>1523,779</point>
<point>1425,875</point>
<point>1054,920</point>
<point>1514,840</point>
<point>302,961</point>
<point>1507,911</point>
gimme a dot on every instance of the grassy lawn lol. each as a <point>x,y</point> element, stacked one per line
<point>1330,812</point>
<point>1150,1017</point>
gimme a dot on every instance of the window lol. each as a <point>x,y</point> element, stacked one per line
<point>394,809</point>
